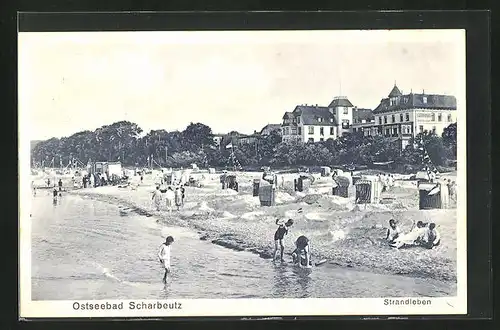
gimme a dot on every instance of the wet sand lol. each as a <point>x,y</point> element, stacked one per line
<point>346,234</point>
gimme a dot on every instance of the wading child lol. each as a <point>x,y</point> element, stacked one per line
<point>278,237</point>
<point>301,255</point>
<point>164,256</point>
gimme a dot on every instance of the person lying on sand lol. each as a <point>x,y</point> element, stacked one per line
<point>301,255</point>
<point>393,231</point>
<point>432,237</point>
<point>279,235</point>
<point>414,237</point>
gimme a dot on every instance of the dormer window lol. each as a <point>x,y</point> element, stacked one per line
<point>331,120</point>
<point>424,99</point>
<point>320,119</point>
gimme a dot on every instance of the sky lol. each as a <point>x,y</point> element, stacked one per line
<point>228,80</point>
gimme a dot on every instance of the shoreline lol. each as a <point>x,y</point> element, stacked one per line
<point>363,252</point>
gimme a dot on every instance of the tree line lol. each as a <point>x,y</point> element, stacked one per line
<point>124,141</point>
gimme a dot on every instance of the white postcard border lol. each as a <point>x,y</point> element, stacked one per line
<point>253,307</point>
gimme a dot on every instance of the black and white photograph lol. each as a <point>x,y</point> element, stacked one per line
<point>219,173</point>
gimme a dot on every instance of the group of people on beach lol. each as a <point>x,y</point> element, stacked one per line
<point>172,197</point>
<point>387,181</point>
<point>423,234</point>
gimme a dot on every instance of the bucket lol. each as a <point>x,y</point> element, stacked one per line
<point>429,196</point>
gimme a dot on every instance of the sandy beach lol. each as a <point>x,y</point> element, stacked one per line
<point>345,234</point>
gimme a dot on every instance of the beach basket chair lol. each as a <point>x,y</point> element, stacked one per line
<point>342,186</point>
<point>429,196</point>
<point>267,195</point>
<point>256,183</point>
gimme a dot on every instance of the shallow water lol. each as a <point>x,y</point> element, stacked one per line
<point>85,249</point>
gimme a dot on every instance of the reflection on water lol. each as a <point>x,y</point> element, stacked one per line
<point>83,249</point>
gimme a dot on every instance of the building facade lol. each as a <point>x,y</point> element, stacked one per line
<point>313,123</point>
<point>399,115</point>
<point>406,115</point>
<point>309,123</point>
<point>363,120</point>
<point>342,109</point>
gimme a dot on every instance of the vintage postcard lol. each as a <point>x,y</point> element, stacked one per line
<point>242,173</point>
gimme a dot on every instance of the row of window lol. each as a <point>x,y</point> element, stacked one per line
<point>321,120</point>
<point>395,100</point>
<point>312,140</point>
<point>421,129</point>
<point>321,130</point>
<point>407,118</point>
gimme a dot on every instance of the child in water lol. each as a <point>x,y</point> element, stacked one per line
<point>164,256</point>
<point>279,235</point>
<point>301,255</point>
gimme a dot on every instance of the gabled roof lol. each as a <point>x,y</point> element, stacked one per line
<point>309,115</point>
<point>340,101</point>
<point>395,92</point>
<point>412,101</point>
<point>359,114</point>
<point>287,115</point>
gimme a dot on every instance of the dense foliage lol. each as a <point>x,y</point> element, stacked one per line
<point>125,142</point>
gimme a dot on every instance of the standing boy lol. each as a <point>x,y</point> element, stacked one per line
<point>164,256</point>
